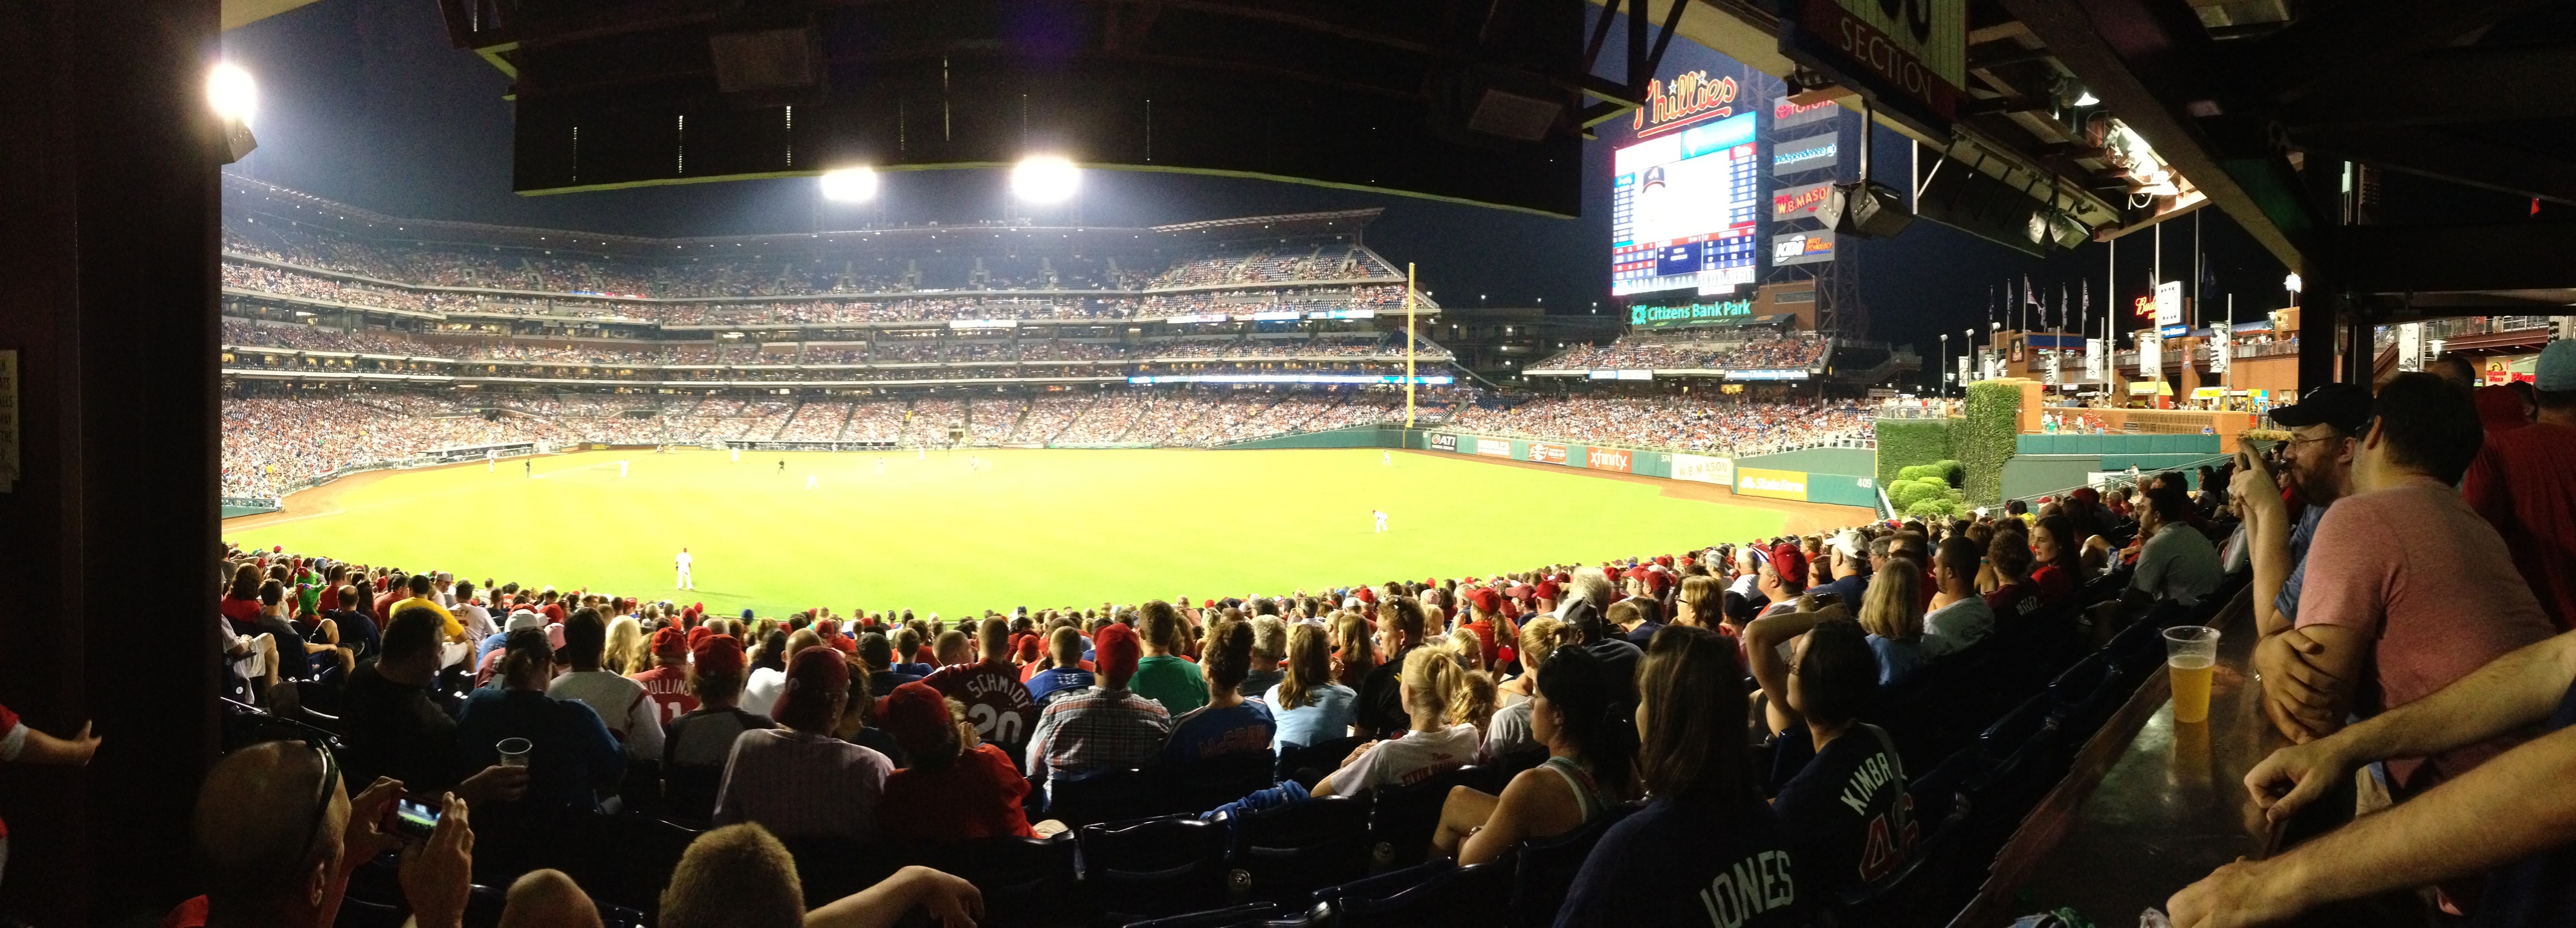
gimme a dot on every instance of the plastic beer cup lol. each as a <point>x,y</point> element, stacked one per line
<point>514,751</point>
<point>2191,658</point>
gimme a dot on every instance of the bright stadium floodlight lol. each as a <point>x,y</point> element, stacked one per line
<point>850,185</point>
<point>1044,179</point>
<point>231,92</point>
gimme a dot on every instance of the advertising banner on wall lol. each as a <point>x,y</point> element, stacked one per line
<point>1704,469</point>
<point>1494,447</point>
<point>2092,359</point>
<point>1546,453</point>
<point>1443,441</point>
<point>1773,484</point>
<point>1799,202</point>
<point>1801,248</point>
<point>2151,356</point>
<point>1787,115</point>
<point>1808,155</point>
<point>2222,348</point>
<point>1608,459</point>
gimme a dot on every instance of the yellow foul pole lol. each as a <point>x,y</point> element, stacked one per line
<point>1408,344</point>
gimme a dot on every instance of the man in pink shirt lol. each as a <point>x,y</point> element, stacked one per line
<point>2413,590</point>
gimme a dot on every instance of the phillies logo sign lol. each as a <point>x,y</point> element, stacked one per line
<point>1688,98</point>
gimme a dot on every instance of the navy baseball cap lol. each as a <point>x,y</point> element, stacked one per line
<point>2342,405</point>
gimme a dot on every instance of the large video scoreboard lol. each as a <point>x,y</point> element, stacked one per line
<point>1683,209</point>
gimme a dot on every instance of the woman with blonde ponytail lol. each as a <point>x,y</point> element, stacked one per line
<point>1448,707</point>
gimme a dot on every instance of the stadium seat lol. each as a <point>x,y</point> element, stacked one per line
<point>648,849</point>
<point>1511,765</point>
<point>1025,881</point>
<point>361,913</point>
<point>1283,854</point>
<point>1465,897</point>
<point>831,868</point>
<point>1403,817</point>
<point>1104,796</point>
<point>1547,867</point>
<point>1936,790</point>
<point>2016,728</point>
<point>1151,868</point>
<point>1240,916</point>
<point>1198,787</point>
<point>1308,763</point>
<point>1380,885</point>
<point>1925,891</point>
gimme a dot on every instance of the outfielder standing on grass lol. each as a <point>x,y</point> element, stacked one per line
<point>682,562</point>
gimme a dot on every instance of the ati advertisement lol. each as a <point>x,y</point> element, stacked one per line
<point>1608,459</point>
<point>1443,441</point>
<point>1773,484</point>
<point>1683,207</point>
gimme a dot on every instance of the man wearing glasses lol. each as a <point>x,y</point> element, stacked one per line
<point>2318,467</point>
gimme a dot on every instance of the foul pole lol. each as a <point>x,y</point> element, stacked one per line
<point>1408,344</point>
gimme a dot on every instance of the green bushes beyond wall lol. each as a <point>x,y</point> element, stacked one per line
<point>1986,437</point>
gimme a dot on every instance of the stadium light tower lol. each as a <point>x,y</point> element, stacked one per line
<point>850,185</point>
<point>1044,179</point>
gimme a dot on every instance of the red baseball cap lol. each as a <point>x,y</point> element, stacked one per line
<point>1114,651</point>
<point>916,715</point>
<point>716,654</point>
<point>671,641</point>
<point>813,675</point>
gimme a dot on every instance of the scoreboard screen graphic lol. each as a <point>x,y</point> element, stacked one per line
<point>1683,208</point>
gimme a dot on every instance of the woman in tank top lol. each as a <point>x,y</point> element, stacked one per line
<point>1574,713</point>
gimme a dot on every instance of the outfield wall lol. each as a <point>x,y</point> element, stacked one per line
<point>1785,476</point>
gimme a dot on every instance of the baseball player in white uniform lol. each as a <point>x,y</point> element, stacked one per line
<point>682,562</point>
<point>1381,518</point>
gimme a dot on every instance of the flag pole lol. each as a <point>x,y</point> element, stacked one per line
<point>1408,344</point>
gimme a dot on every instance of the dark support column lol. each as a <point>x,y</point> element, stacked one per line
<point>2320,323</point>
<point>108,213</point>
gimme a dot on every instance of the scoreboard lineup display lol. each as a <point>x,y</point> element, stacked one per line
<point>1683,208</point>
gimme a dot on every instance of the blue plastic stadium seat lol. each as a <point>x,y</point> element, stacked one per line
<point>1308,763</point>
<point>1104,796</point>
<point>1240,916</point>
<point>1025,881</point>
<point>1478,895</point>
<point>1207,784</point>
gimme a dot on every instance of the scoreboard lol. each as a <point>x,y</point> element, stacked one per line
<point>1683,210</point>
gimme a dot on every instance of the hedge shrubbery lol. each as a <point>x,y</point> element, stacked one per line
<point>1904,443</point>
<point>1987,437</point>
<point>1924,493</point>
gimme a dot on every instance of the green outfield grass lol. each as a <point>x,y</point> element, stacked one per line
<point>1034,528</point>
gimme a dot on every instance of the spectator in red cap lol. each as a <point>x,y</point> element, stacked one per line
<point>958,788</point>
<point>667,681</point>
<point>696,745</point>
<point>797,779</point>
<point>2523,482</point>
<point>1105,726</point>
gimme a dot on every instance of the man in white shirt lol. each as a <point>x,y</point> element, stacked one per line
<point>476,619</point>
<point>682,562</point>
<point>621,703</point>
<point>1959,616</point>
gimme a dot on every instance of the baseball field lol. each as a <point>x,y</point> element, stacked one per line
<point>966,531</point>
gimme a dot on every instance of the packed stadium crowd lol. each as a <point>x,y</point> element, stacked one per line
<point>275,444</point>
<point>241,333</point>
<point>1684,422</point>
<point>1681,720</point>
<point>1791,353</point>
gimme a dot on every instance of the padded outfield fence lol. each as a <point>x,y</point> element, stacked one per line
<point>1784,475</point>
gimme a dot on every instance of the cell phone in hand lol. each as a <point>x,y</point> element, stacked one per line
<point>415,817</point>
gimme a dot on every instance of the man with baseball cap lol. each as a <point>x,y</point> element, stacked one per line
<point>696,745</point>
<point>2409,589</point>
<point>2325,429</point>
<point>667,681</point>
<point>2524,483</point>
<point>1106,726</point>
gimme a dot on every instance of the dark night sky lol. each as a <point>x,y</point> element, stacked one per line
<point>366,102</point>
